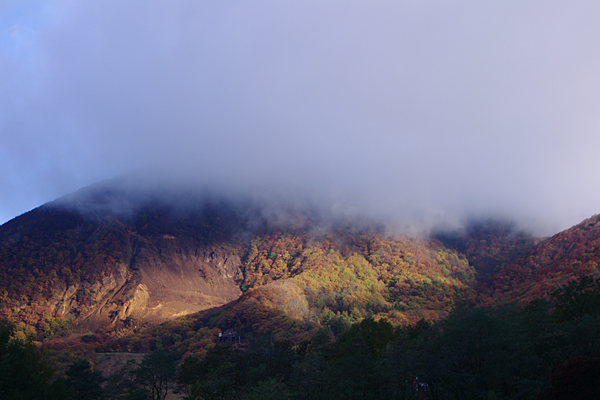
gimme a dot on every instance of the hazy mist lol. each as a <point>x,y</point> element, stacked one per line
<point>415,113</point>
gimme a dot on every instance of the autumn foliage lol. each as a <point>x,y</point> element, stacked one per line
<point>549,265</point>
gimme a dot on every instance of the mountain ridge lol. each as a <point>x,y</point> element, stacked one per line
<point>76,264</point>
<point>549,265</point>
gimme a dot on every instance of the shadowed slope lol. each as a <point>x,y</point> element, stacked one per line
<point>549,265</point>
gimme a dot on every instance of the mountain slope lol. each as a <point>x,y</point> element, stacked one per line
<point>58,262</point>
<point>105,258</point>
<point>109,259</point>
<point>489,245</point>
<point>550,264</point>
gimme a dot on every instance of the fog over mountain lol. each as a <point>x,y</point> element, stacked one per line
<point>416,113</point>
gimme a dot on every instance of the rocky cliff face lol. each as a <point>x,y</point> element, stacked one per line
<point>164,278</point>
<point>182,277</point>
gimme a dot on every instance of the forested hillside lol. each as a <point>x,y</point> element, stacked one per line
<point>549,265</point>
<point>65,266</point>
<point>105,256</point>
<point>60,265</point>
<point>322,308</point>
<point>489,245</point>
<point>44,252</point>
<point>545,351</point>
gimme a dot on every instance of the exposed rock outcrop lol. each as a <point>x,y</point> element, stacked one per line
<point>165,278</point>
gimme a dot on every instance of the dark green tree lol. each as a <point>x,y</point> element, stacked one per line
<point>403,363</point>
<point>482,353</point>
<point>311,377</point>
<point>156,374</point>
<point>577,315</point>
<point>354,359</point>
<point>83,382</point>
<point>577,379</point>
<point>580,297</point>
<point>25,371</point>
<point>216,376</point>
<point>124,385</point>
<point>268,389</point>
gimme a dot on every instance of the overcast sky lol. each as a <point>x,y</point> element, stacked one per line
<point>413,111</point>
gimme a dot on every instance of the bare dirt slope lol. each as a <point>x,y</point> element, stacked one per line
<point>167,277</point>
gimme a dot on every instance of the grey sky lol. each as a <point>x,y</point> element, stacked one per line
<point>415,111</point>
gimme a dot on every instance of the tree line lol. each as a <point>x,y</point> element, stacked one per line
<point>544,351</point>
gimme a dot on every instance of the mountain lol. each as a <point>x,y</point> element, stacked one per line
<point>110,259</point>
<point>322,307</point>
<point>62,264</point>
<point>113,259</point>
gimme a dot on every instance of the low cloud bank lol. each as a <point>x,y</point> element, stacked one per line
<point>413,113</point>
